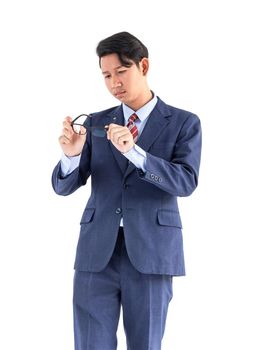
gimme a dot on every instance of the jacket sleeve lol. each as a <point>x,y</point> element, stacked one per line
<point>70,183</point>
<point>178,177</point>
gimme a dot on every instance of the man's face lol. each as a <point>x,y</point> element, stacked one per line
<point>127,84</point>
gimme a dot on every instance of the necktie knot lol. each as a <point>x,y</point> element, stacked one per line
<point>132,118</point>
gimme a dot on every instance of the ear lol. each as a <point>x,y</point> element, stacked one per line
<point>144,65</point>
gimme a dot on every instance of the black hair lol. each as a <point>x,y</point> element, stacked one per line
<point>125,45</point>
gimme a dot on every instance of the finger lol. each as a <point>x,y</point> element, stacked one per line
<point>121,137</point>
<point>124,139</point>
<point>68,119</point>
<point>63,140</point>
<point>68,132</point>
<point>67,125</point>
<point>112,127</point>
<point>117,131</point>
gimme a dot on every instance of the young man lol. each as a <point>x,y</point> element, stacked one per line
<point>130,243</point>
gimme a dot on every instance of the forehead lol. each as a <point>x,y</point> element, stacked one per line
<point>110,62</point>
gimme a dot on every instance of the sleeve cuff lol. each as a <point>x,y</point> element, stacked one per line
<point>68,164</point>
<point>137,156</point>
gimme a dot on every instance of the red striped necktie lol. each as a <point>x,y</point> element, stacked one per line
<point>132,127</point>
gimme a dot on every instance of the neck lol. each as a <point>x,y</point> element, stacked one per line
<point>141,100</point>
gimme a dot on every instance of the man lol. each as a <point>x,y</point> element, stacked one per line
<point>130,243</point>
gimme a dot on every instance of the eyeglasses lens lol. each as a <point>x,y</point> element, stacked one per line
<point>78,125</point>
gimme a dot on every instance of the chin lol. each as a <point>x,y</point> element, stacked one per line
<point>125,99</point>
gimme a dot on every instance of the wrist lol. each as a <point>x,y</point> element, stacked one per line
<point>127,150</point>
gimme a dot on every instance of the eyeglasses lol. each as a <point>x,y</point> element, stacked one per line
<point>80,128</point>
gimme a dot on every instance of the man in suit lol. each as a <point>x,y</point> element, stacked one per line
<point>130,243</point>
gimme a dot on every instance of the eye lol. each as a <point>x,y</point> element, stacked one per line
<point>107,76</point>
<point>122,71</point>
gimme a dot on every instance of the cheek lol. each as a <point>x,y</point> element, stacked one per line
<point>131,82</point>
<point>136,79</point>
<point>107,83</point>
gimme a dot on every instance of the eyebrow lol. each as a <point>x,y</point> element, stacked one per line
<point>114,68</point>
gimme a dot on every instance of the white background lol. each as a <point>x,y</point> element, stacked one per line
<point>208,57</point>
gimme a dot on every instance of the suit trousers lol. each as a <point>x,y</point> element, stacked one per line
<point>99,296</point>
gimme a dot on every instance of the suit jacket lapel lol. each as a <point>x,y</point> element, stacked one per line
<point>116,117</point>
<point>156,123</point>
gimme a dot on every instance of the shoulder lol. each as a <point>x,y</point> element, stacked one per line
<point>178,113</point>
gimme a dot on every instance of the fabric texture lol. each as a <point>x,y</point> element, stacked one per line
<point>98,297</point>
<point>147,201</point>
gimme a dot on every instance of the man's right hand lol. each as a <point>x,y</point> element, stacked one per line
<point>71,143</point>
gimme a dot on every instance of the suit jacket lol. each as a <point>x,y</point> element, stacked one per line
<point>147,201</point>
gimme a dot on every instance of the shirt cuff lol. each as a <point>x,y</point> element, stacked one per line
<point>137,156</point>
<point>68,164</point>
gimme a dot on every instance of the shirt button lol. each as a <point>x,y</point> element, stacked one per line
<point>118,211</point>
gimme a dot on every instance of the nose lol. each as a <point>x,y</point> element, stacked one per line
<point>115,82</point>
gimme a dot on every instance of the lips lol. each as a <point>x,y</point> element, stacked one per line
<point>119,93</point>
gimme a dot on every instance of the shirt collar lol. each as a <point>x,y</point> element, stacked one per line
<point>142,112</point>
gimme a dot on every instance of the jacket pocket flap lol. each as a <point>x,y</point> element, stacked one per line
<point>169,218</point>
<point>87,215</point>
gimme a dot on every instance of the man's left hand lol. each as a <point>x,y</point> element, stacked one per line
<point>121,137</point>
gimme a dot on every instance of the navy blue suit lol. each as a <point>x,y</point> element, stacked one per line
<point>146,201</point>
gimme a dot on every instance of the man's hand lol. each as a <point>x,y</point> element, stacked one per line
<point>71,143</point>
<point>121,137</point>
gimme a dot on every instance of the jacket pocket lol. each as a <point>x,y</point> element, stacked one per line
<point>88,215</point>
<point>169,218</point>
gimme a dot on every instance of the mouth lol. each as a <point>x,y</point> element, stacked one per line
<point>119,94</point>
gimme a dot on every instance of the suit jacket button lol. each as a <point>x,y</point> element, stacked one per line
<point>118,211</point>
<point>152,176</point>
